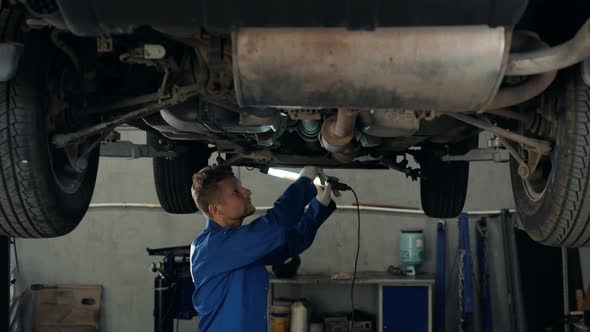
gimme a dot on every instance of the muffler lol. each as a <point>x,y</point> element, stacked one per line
<point>453,69</point>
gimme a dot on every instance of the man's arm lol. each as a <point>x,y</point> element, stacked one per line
<point>233,248</point>
<point>300,237</point>
<point>288,209</point>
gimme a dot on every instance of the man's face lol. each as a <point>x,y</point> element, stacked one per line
<point>235,201</point>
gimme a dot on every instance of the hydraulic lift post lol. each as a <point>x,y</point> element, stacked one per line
<point>5,280</point>
<point>173,287</point>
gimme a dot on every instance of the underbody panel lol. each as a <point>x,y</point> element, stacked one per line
<point>93,17</point>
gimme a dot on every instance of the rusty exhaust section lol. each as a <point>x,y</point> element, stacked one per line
<point>436,68</point>
<point>389,123</point>
<point>337,133</point>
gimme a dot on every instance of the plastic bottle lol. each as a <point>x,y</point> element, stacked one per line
<point>299,317</point>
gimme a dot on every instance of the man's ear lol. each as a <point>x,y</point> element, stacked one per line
<point>213,209</point>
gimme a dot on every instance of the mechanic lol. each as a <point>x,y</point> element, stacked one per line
<point>228,260</point>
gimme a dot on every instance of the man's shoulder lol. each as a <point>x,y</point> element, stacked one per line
<point>208,239</point>
<point>199,242</point>
<point>199,251</point>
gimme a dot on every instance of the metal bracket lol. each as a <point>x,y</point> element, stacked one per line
<point>77,153</point>
<point>536,148</point>
<point>541,146</point>
<point>586,71</point>
<point>126,149</point>
<point>525,168</point>
<point>304,114</point>
<point>262,155</point>
<point>489,154</point>
<point>402,166</point>
<point>104,44</point>
<point>531,166</point>
<point>219,79</point>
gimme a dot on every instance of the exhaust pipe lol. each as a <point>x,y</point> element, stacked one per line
<point>431,68</point>
<point>534,85</point>
<point>549,59</point>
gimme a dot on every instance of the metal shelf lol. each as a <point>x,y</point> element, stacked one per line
<point>361,278</point>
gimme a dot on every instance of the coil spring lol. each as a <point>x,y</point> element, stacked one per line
<point>539,125</point>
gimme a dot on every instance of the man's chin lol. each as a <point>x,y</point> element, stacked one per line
<point>250,211</point>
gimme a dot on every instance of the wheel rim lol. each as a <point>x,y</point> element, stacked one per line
<point>67,177</point>
<point>536,184</point>
<point>541,126</point>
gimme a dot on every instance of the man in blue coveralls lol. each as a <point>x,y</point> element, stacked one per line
<point>228,260</point>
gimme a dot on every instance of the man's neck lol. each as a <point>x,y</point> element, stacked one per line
<point>227,223</point>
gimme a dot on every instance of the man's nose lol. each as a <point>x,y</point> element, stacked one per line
<point>248,192</point>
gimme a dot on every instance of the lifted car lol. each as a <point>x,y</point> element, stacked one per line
<point>342,84</point>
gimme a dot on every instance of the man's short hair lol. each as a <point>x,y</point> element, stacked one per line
<point>204,189</point>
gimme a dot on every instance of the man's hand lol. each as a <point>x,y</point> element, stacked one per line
<point>324,195</point>
<point>309,172</point>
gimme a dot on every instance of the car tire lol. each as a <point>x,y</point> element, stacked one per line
<point>443,187</point>
<point>173,178</point>
<point>40,196</point>
<point>558,212</point>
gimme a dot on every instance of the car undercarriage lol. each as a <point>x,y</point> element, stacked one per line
<point>356,85</point>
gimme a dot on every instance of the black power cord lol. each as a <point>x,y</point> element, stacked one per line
<point>339,186</point>
<point>356,259</point>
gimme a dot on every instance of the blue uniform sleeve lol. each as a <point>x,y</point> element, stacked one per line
<point>300,237</point>
<point>234,248</point>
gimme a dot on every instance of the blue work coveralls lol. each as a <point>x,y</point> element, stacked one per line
<point>228,264</point>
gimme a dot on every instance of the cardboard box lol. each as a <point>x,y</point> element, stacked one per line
<point>67,308</point>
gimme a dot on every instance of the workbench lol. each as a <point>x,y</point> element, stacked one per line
<point>399,297</point>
